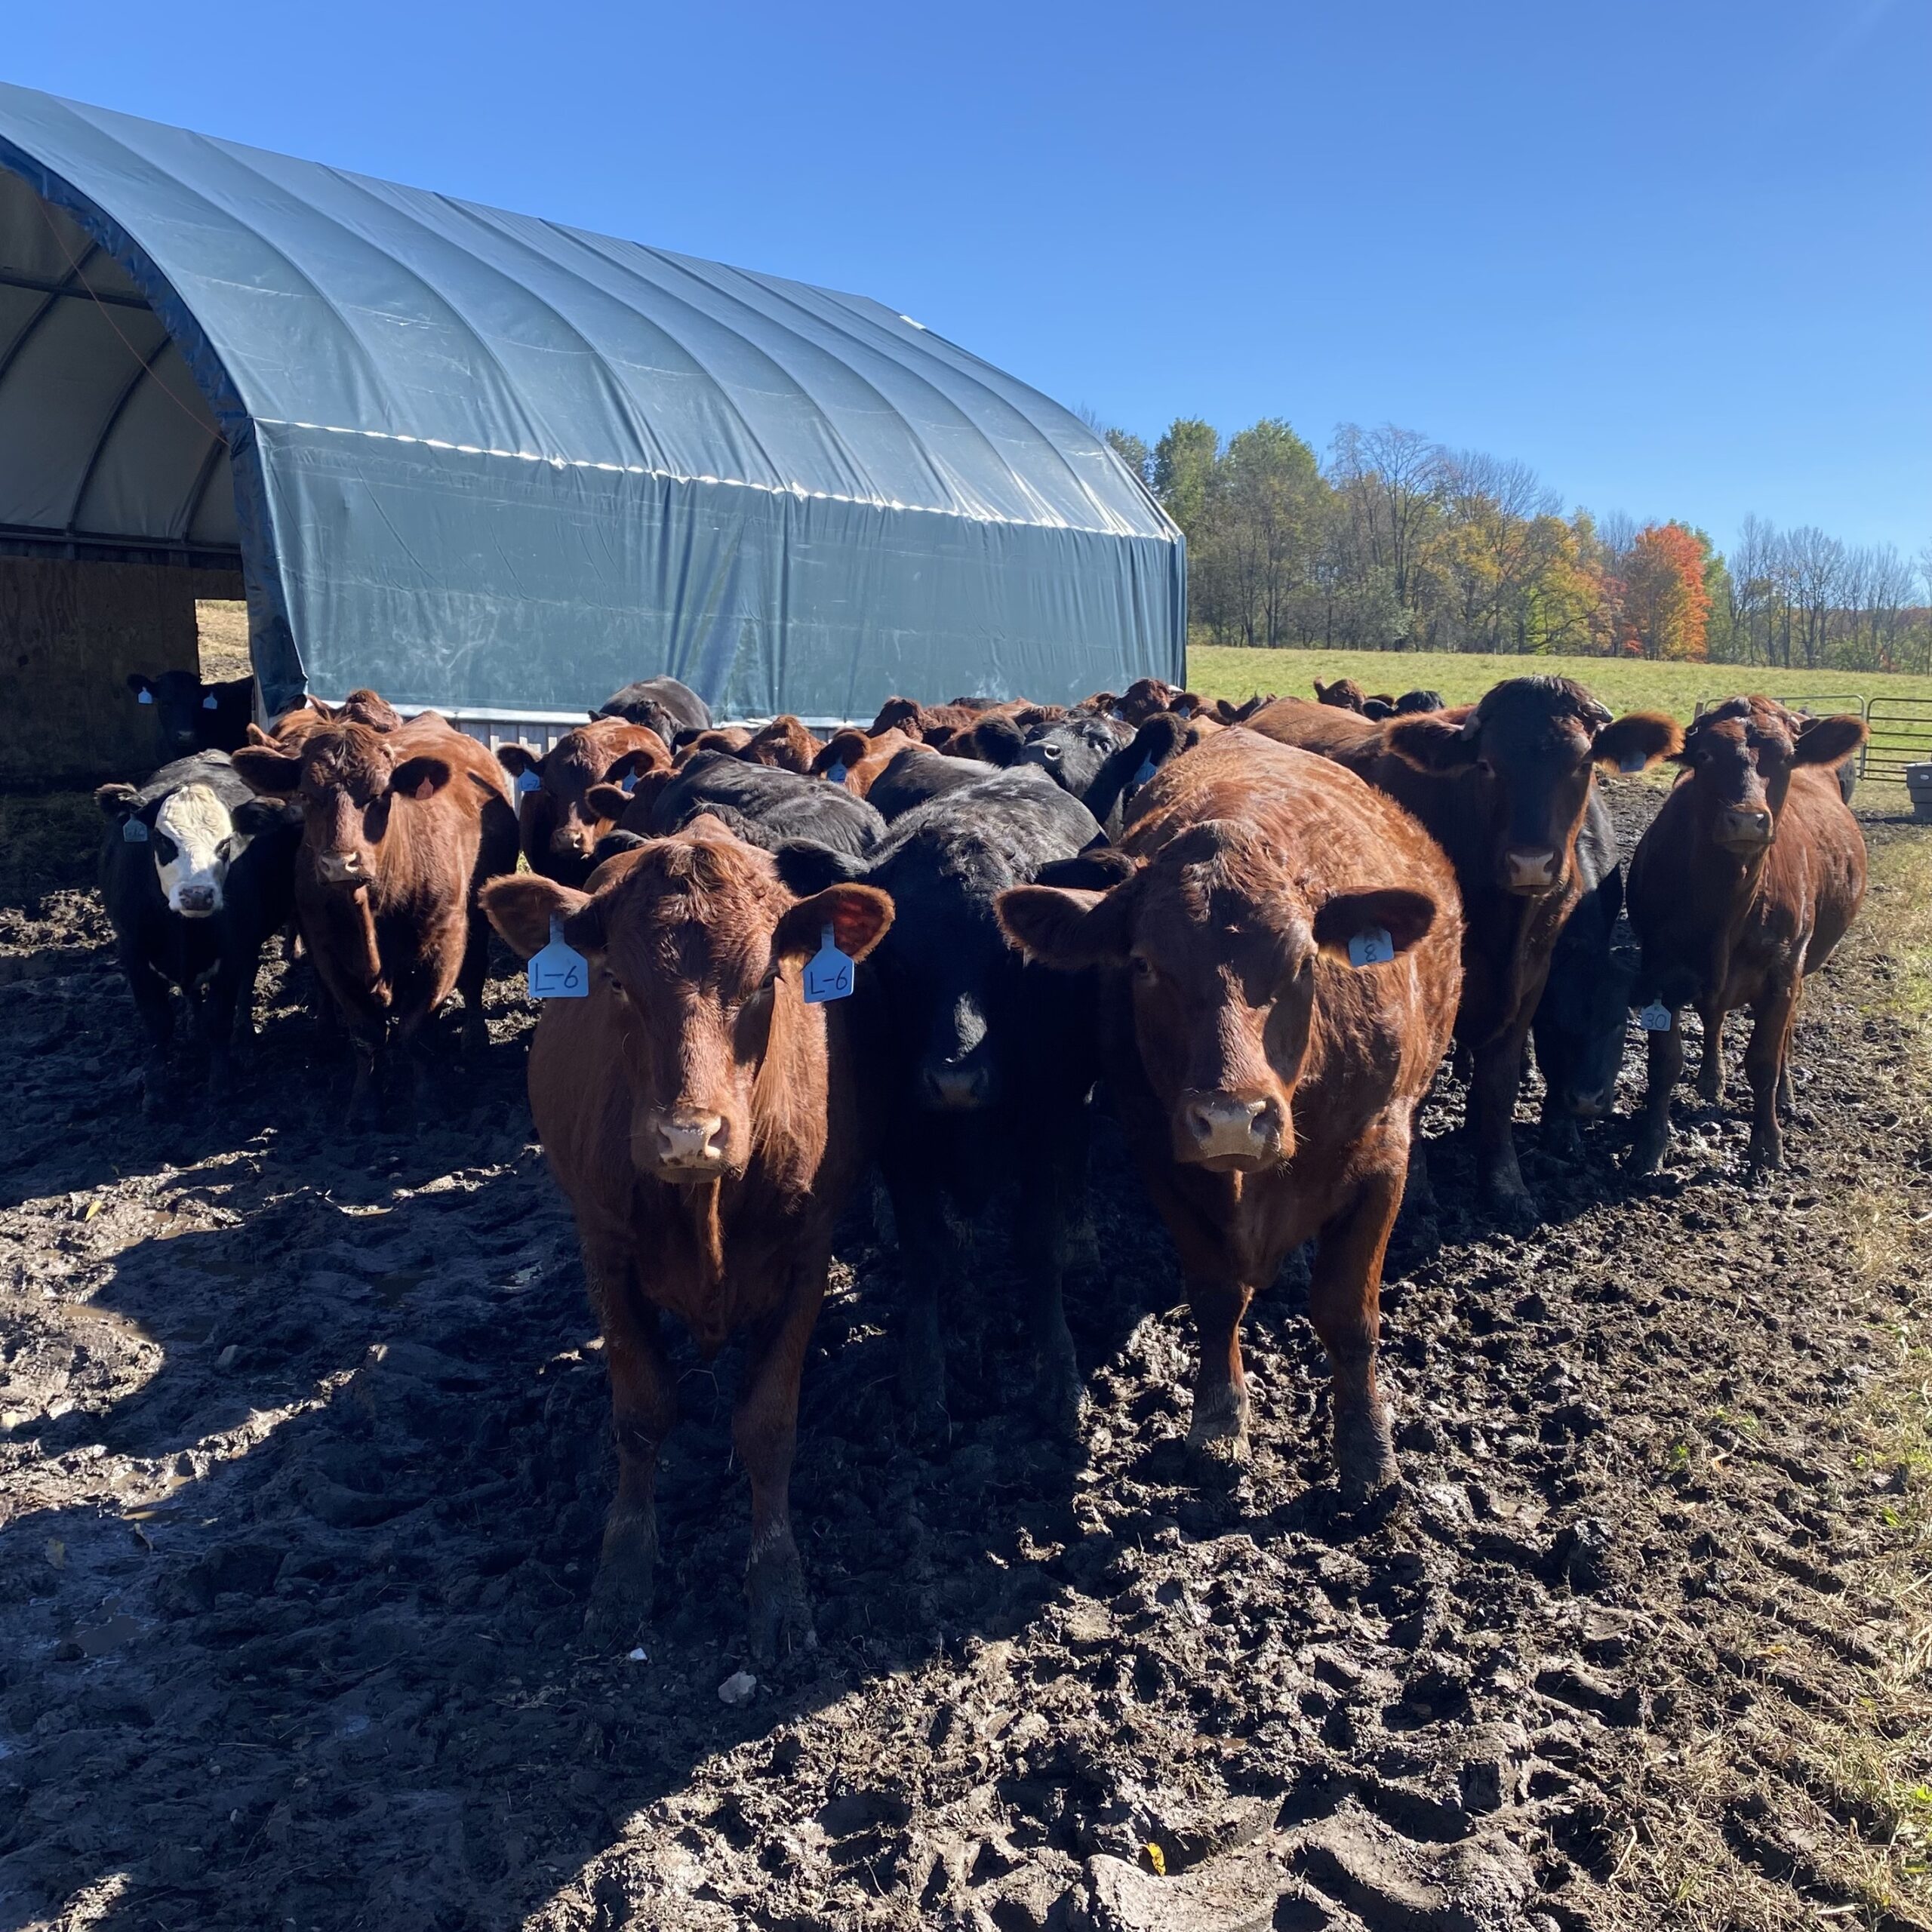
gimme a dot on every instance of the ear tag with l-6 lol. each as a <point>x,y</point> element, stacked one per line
<point>1373,948</point>
<point>1145,774</point>
<point>1654,1018</point>
<point>144,697</point>
<point>210,702</point>
<point>134,831</point>
<point>828,972</point>
<point>559,971</point>
<point>528,781</point>
<point>836,772</point>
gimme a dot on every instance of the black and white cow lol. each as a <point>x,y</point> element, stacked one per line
<point>196,872</point>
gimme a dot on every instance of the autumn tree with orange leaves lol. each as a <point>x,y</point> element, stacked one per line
<point>1666,610</point>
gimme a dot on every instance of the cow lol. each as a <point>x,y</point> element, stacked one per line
<point>191,716</point>
<point>1344,693</point>
<point>661,705</point>
<point>855,759</point>
<point>988,1061</point>
<point>784,744</point>
<point>1411,702</point>
<point>196,873</point>
<point>1278,979</point>
<point>399,831</point>
<point>558,828</point>
<point>915,776</point>
<point>362,707</point>
<point>706,1125</point>
<point>1583,1018</point>
<point>758,803</point>
<point>729,738</point>
<point>1750,874</point>
<point>1502,786</point>
<point>1073,751</point>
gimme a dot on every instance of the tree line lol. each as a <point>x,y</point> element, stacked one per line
<point>1395,543</point>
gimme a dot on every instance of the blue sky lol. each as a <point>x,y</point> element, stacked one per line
<point>1677,256</point>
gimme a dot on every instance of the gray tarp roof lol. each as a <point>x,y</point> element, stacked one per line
<point>481,459</point>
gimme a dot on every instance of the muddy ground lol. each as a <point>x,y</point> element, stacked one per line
<point>302,1459</point>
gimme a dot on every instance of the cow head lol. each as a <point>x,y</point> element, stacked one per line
<point>784,744</point>
<point>181,706</point>
<point>1220,952</point>
<point>1072,751</point>
<point>1344,693</point>
<point>562,817</point>
<point>346,778</point>
<point>699,948</point>
<point>193,838</point>
<point>1739,758</point>
<point>1529,751</point>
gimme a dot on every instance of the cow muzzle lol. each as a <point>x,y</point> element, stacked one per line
<point>342,868</point>
<point>955,1086</point>
<point>1590,1106</point>
<point>1531,869</point>
<point>1231,1130</point>
<point>687,1145</point>
<point>1744,829</point>
<point>195,902</point>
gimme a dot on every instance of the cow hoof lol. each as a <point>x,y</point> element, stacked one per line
<point>627,1567</point>
<point>1218,1447</point>
<point>1059,1399</point>
<point>1562,1142</point>
<point>1515,1211</point>
<point>1364,1456</point>
<point>1766,1155</point>
<point>1647,1153</point>
<point>780,1613</point>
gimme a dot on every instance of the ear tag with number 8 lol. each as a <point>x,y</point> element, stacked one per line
<point>134,831</point>
<point>836,772</point>
<point>528,781</point>
<point>1373,948</point>
<point>144,697</point>
<point>1654,1018</point>
<point>828,973</point>
<point>559,971</point>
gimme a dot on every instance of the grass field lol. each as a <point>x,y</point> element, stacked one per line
<point>1623,684</point>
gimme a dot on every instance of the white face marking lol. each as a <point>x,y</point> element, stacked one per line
<point>201,844</point>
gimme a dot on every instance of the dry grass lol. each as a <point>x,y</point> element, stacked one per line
<point>223,628</point>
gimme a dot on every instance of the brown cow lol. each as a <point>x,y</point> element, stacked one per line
<point>1502,786</point>
<point>1747,877</point>
<point>361,706</point>
<point>784,743</point>
<point>731,738</point>
<point>399,831</point>
<point>1344,693</point>
<point>859,757</point>
<point>558,826</point>
<point>706,1125</point>
<point>1267,1086</point>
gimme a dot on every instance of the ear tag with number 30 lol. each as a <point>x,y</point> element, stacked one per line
<point>134,831</point>
<point>144,697</point>
<point>528,781</point>
<point>1373,948</point>
<point>828,972</point>
<point>836,772</point>
<point>559,971</point>
<point>1654,1018</point>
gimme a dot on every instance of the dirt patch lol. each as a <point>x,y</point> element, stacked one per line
<point>222,626</point>
<point>304,1460</point>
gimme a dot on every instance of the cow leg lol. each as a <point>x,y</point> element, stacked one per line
<point>928,1262</point>
<point>154,1004</point>
<point>1217,1430</point>
<point>1492,1108</point>
<point>215,1013</point>
<point>1764,1067</point>
<point>1052,1178</point>
<point>644,1406</point>
<point>1666,1069</point>
<point>469,982</point>
<point>1710,1063</point>
<point>765,1428</point>
<point>1345,1305</point>
<point>1561,1137</point>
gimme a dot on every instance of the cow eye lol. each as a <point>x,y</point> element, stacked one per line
<point>1143,966</point>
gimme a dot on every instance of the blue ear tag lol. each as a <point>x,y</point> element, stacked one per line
<point>629,781</point>
<point>528,781</point>
<point>1115,711</point>
<point>208,703</point>
<point>1633,763</point>
<point>836,772</point>
<point>828,973</point>
<point>1183,710</point>
<point>559,971</point>
<point>1654,1018</point>
<point>1373,948</point>
<point>144,697</point>
<point>134,831</point>
<point>1148,768</point>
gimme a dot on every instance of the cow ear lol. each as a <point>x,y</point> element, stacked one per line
<point>1432,741</point>
<point>267,769</point>
<point>115,801</point>
<point>614,845</point>
<point>1405,916</point>
<point>610,801</point>
<point>806,867</point>
<point>1637,740</point>
<point>1099,868</point>
<point>253,816</point>
<point>1829,740</point>
<point>650,756</point>
<point>419,778</point>
<point>522,905</point>
<point>859,917</point>
<point>516,759</point>
<point>1071,930</point>
<point>256,736</point>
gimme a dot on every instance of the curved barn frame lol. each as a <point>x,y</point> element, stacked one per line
<point>484,461</point>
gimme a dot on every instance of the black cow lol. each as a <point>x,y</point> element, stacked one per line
<point>1583,1018</point>
<point>1411,702</point>
<point>761,804</point>
<point>915,776</point>
<point>987,1060</point>
<point>196,873</point>
<point>661,704</point>
<point>1073,752</point>
<point>191,716</point>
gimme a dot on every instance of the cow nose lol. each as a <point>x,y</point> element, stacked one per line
<point>1228,1126</point>
<point>1590,1106</point>
<point>339,866</point>
<point>1529,869</point>
<point>690,1142</point>
<point>1745,827</point>
<point>196,901</point>
<point>954,1086</point>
